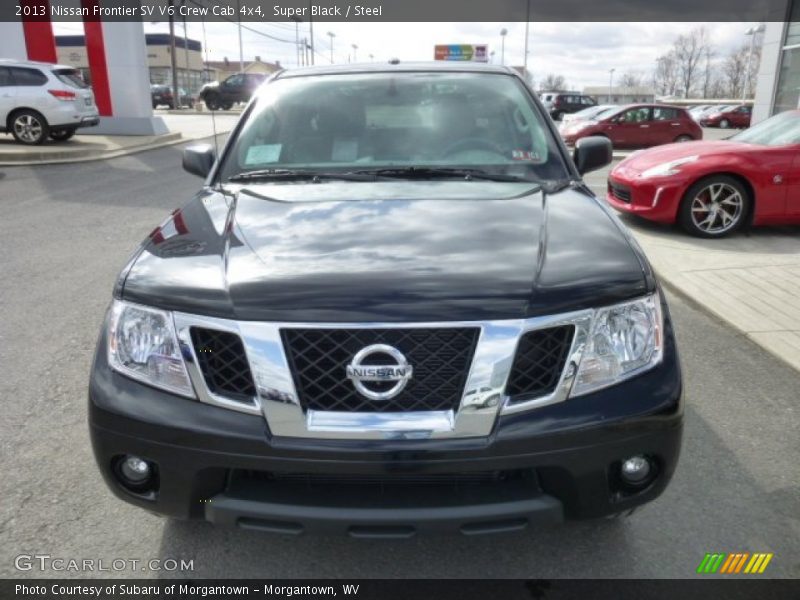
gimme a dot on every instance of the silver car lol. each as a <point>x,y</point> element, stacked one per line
<point>40,100</point>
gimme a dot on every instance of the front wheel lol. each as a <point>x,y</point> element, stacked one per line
<point>212,102</point>
<point>683,138</point>
<point>714,207</point>
<point>724,124</point>
<point>61,135</point>
<point>29,127</point>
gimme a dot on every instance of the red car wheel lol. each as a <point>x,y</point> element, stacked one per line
<point>714,207</point>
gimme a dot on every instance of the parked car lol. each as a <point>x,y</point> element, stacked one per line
<point>730,116</point>
<point>236,88</point>
<point>187,98</point>
<point>593,112</point>
<point>713,188</point>
<point>697,111</point>
<point>638,126</point>
<point>368,296</point>
<point>162,95</point>
<point>559,104</point>
<point>40,100</point>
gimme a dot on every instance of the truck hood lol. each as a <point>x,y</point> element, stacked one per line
<point>386,252</point>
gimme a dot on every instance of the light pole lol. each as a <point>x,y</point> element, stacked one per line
<point>331,35</point>
<point>751,31</point>
<point>186,58</point>
<point>174,64</point>
<point>241,47</point>
<point>311,32</point>
<point>527,31</point>
<point>503,33</point>
<point>610,83</point>
<point>355,51</point>
<point>297,37</point>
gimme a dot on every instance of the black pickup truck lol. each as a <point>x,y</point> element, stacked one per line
<point>224,94</point>
<point>394,306</point>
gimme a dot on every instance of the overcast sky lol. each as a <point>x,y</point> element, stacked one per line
<point>581,52</point>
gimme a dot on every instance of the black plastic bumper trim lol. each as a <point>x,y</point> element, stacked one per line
<point>396,522</point>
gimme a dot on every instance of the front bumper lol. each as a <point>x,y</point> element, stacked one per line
<point>656,199</point>
<point>559,461</point>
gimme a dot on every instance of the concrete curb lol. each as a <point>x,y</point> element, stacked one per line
<point>720,316</point>
<point>75,155</point>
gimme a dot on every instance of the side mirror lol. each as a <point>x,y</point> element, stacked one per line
<point>198,159</point>
<point>592,153</point>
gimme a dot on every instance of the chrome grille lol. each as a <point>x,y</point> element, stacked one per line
<point>441,358</point>
<point>538,363</point>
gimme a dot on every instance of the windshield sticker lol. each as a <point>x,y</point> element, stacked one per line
<point>524,155</point>
<point>258,155</point>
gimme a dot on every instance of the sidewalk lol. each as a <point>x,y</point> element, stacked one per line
<point>85,147</point>
<point>752,282</point>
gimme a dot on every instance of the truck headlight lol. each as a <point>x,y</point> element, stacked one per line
<point>625,339</point>
<point>142,345</point>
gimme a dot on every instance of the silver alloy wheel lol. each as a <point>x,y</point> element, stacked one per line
<point>717,208</point>
<point>724,124</point>
<point>28,128</point>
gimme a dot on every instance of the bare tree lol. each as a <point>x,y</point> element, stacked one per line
<point>754,65</point>
<point>717,88</point>
<point>692,66</point>
<point>689,50</point>
<point>734,72</point>
<point>708,70</point>
<point>553,82</point>
<point>665,77</point>
<point>631,79</point>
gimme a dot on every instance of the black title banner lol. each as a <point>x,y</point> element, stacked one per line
<point>366,11</point>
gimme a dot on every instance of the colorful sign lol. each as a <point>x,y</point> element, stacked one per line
<point>468,52</point>
<point>736,562</point>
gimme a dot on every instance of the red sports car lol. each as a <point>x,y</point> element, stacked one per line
<point>637,126</point>
<point>712,188</point>
<point>729,116</point>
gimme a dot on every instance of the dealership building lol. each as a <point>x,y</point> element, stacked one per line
<point>778,84</point>
<point>71,50</point>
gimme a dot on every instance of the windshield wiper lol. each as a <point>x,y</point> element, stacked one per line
<point>437,172</point>
<point>299,175</point>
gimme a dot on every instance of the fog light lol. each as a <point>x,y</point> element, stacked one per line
<point>135,470</point>
<point>635,470</point>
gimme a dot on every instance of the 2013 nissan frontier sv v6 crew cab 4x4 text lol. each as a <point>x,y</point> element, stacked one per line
<point>393,307</point>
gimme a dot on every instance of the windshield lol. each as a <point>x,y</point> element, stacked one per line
<point>780,130</point>
<point>71,77</point>
<point>363,122</point>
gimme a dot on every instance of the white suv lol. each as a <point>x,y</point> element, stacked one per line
<point>38,100</point>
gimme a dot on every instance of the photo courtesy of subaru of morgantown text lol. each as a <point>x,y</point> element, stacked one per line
<point>300,299</point>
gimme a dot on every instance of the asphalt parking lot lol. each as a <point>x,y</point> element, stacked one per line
<point>68,229</point>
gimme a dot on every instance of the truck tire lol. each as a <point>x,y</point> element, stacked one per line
<point>212,102</point>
